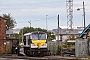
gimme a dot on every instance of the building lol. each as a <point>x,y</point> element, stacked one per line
<point>2,34</point>
<point>16,30</point>
<point>65,34</point>
<point>9,33</point>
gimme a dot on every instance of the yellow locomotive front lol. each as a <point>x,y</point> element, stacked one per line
<point>39,40</point>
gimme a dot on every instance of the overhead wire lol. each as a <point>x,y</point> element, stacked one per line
<point>40,19</point>
<point>43,19</point>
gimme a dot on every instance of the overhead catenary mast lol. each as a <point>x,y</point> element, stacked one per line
<point>69,6</point>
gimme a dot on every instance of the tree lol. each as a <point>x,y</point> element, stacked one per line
<point>10,23</point>
<point>50,35</point>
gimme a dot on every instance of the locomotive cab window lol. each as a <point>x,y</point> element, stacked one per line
<point>42,36</point>
<point>38,36</point>
<point>34,36</point>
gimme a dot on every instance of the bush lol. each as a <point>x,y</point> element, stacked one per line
<point>59,47</point>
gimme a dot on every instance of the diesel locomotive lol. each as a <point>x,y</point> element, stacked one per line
<point>35,44</point>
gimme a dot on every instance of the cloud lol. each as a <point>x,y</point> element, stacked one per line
<point>24,10</point>
<point>2,7</point>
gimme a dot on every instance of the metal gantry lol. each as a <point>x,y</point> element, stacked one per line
<point>69,6</point>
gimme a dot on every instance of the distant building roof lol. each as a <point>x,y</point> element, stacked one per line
<point>9,31</point>
<point>17,30</point>
<point>65,31</point>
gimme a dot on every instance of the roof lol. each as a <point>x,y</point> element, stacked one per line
<point>9,31</point>
<point>1,17</point>
<point>16,30</point>
<point>33,32</point>
<point>27,34</point>
<point>65,31</point>
<point>85,31</point>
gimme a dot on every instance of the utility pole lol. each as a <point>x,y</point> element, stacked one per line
<point>84,14</point>
<point>29,23</point>
<point>46,23</point>
<point>22,35</point>
<point>59,36</point>
<point>58,27</point>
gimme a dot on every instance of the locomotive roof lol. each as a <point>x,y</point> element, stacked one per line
<point>33,32</point>
<point>27,34</point>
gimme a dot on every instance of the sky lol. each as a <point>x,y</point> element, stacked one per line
<point>36,10</point>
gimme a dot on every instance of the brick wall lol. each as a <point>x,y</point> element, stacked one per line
<point>2,34</point>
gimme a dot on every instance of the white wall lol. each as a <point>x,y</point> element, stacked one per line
<point>64,37</point>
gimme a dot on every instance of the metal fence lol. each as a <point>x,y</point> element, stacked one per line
<point>52,46</point>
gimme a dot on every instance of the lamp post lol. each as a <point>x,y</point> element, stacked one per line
<point>83,13</point>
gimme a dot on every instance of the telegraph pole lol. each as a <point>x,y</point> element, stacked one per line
<point>58,27</point>
<point>84,14</point>
<point>46,23</point>
<point>59,36</point>
<point>29,23</point>
<point>22,35</point>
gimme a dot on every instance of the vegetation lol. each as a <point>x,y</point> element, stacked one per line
<point>50,35</point>
<point>72,37</point>
<point>89,39</point>
<point>10,23</point>
<point>59,47</point>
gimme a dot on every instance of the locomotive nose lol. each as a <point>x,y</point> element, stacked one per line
<point>39,42</point>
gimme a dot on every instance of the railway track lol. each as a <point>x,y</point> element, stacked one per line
<point>15,57</point>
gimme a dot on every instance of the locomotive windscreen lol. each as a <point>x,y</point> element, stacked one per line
<point>38,36</point>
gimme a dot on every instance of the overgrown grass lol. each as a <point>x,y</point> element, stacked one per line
<point>2,53</point>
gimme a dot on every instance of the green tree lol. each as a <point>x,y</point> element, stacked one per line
<point>50,35</point>
<point>10,23</point>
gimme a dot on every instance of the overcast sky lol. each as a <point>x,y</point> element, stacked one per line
<point>36,10</point>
